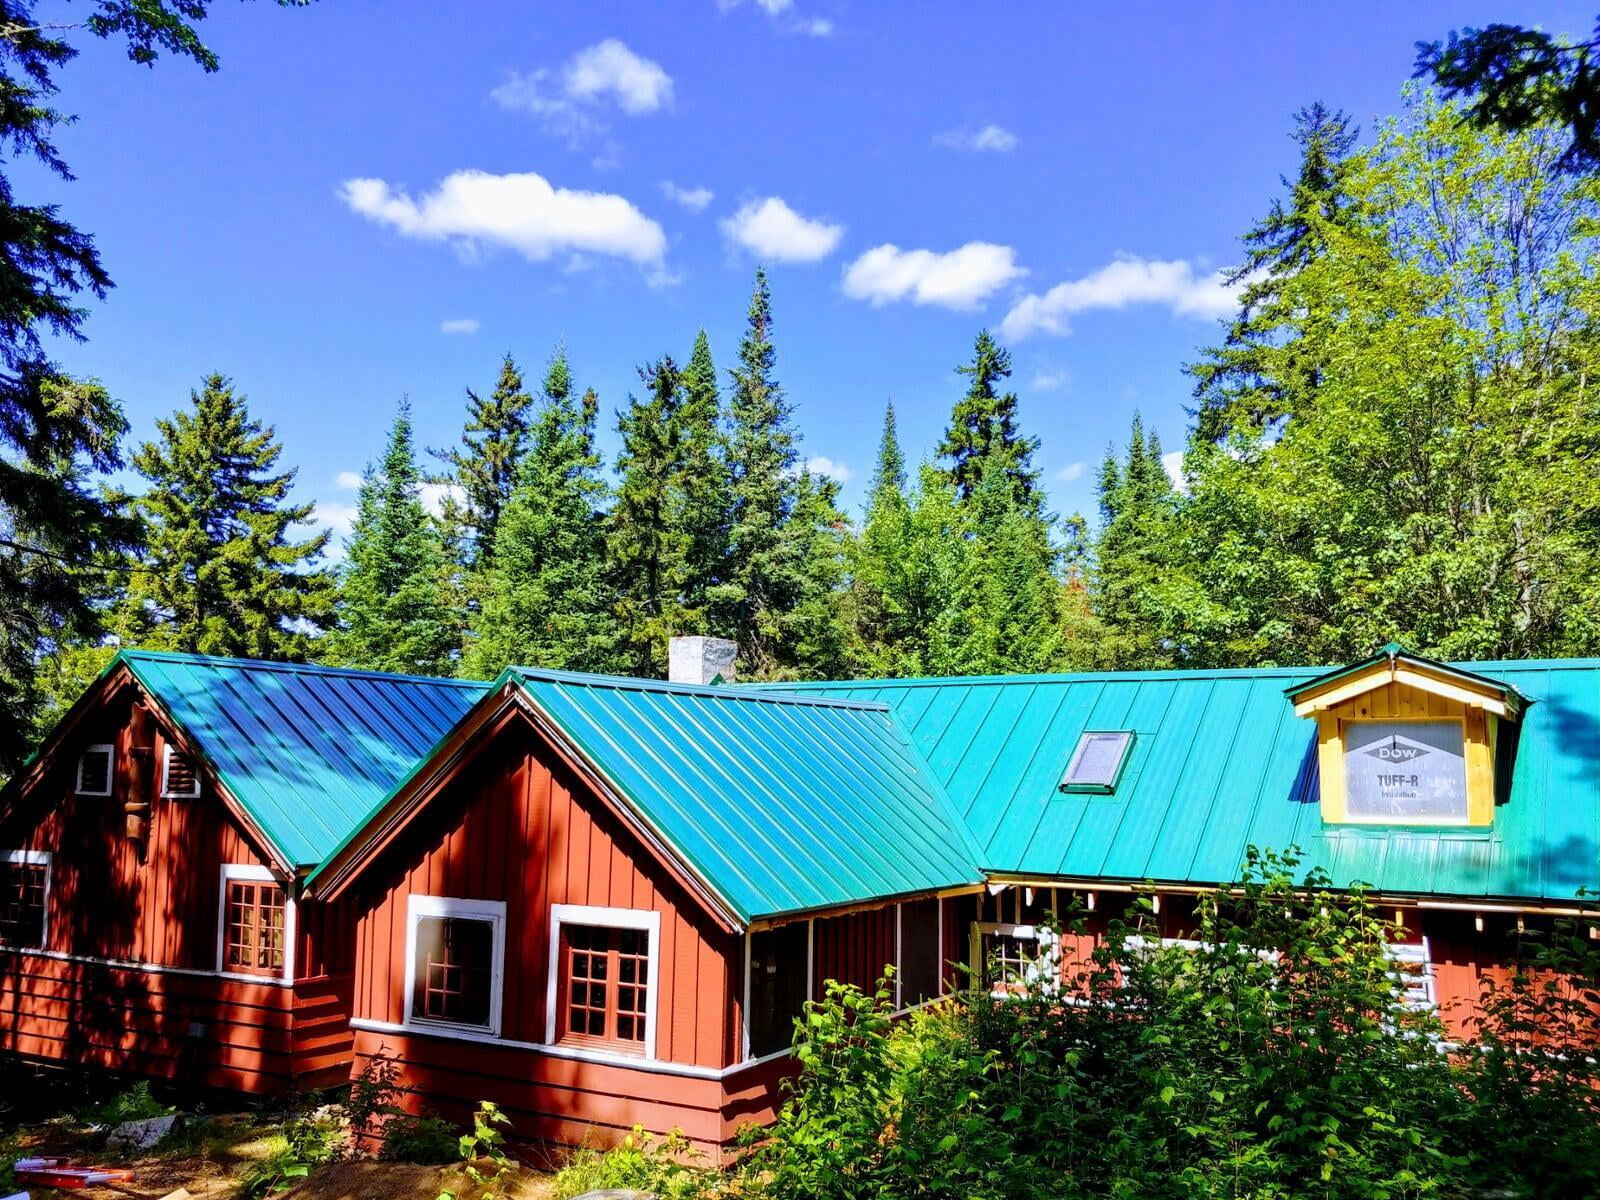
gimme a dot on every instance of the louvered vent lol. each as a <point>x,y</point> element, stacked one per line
<point>182,781</point>
<point>94,771</point>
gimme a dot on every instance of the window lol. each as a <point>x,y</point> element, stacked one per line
<point>255,922</point>
<point>603,989</point>
<point>24,898</point>
<point>1410,970</point>
<point>1405,771</point>
<point>95,770</point>
<point>780,985</point>
<point>921,952</point>
<point>179,779</point>
<point>455,961</point>
<point>1014,957</point>
<point>1097,762</point>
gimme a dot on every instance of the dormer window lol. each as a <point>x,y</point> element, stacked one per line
<point>94,771</point>
<point>1097,762</point>
<point>179,779</point>
<point>1404,740</point>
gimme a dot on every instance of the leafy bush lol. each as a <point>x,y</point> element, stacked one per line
<point>483,1155</point>
<point>134,1103</point>
<point>411,1139</point>
<point>307,1141</point>
<point>664,1167</point>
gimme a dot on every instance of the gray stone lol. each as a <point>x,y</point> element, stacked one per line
<point>700,660</point>
<point>140,1135</point>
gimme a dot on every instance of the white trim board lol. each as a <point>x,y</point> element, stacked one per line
<point>491,911</point>
<point>251,873</point>
<point>110,752</point>
<point>166,769</point>
<point>35,858</point>
<point>646,919</point>
<point>127,964</point>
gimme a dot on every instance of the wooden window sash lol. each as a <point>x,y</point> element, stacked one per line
<point>444,976</point>
<point>255,928</point>
<point>24,887</point>
<point>604,987</point>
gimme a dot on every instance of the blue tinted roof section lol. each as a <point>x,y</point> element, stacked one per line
<point>779,803</point>
<point>1219,762</point>
<point>308,752</point>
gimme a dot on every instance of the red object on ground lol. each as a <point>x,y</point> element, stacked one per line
<point>58,1173</point>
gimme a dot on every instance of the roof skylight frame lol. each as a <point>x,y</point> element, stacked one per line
<point>1105,783</point>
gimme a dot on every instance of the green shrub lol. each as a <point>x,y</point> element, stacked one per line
<point>666,1167</point>
<point>307,1141</point>
<point>407,1138</point>
<point>483,1156</point>
<point>134,1103</point>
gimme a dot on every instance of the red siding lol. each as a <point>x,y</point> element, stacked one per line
<point>513,824</point>
<point>161,912</point>
<point>853,948</point>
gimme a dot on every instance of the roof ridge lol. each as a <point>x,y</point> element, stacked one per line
<point>767,693</point>
<point>261,664</point>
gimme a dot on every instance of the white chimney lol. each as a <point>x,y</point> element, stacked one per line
<point>700,660</point>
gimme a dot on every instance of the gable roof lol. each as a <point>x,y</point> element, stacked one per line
<point>307,752</point>
<point>1220,762</point>
<point>777,804</point>
<point>1395,664</point>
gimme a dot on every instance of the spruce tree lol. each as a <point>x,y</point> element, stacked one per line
<point>1133,552</point>
<point>762,457</point>
<point>393,612</point>
<point>223,573</point>
<point>984,436</point>
<point>1249,382</point>
<point>647,548</point>
<point>885,615</point>
<point>547,602</point>
<point>1012,593</point>
<point>703,501</point>
<point>813,632</point>
<point>483,469</point>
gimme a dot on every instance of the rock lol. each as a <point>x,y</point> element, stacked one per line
<point>140,1135</point>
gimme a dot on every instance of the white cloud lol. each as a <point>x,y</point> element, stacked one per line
<point>783,16</point>
<point>433,496</point>
<point>348,481</point>
<point>962,278</point>
<point>570,98</point>
<point>522,212</point>
<point>1177,285</point>
<point>694,199</point>
<point>1073,470</point>
<point>994,138</point>
<point>1173,462</point>
<point>1046,380</point>
<point>772,230</point>
<point>335,517</point>
<point>459,325</point>
<point>822,465</point>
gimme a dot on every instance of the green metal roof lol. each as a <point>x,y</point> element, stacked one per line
<point>307,752</point>
<point>778,803</point>
<point>1221,762</point>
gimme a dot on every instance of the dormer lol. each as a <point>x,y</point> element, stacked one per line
<point>1404,740</point>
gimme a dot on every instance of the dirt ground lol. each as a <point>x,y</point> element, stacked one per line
<point>403,1181</point>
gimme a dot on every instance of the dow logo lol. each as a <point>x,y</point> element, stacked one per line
<point>1397,750</point>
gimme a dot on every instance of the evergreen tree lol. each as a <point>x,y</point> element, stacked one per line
<point>483,470</point>
<point>222,573</point>
<point>646,546</point>
<point>1133,558</point>
<point>762,455</point>
<point>1247,381</point>
<point>393,613</point>
<point>703,500</point>
<point>814,634</point>
<point>885,613</point>
<point>983,435</point>
<point>548,603</point>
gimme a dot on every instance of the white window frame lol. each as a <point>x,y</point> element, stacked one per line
<point>1046,967</point>
<point>251,873</point>
<point>491,911</point>
<point>811,990</point>
<point>111,769</point>
<point>34,858</point>
<point>647,919</point>
<point>166,766</point>
<point>1414,954</point>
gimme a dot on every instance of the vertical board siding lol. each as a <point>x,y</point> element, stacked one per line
<point>853,948</point>
<point>513,824</point>
<point>162,912</point>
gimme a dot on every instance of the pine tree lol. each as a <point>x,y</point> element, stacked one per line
<point>762,456</point>
<point>393,612</point>
<point>885,615</point>
<point>813,633</point>
<point>1133,552</point>
<point>646,547</point>
<point>222,573</point>
<point>484,468</point>
<point>548,603</point>
<point>703,500</point>
<point>983,435</point>
<point>1248,382</point>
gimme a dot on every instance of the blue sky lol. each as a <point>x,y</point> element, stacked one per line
<point>372,200</point>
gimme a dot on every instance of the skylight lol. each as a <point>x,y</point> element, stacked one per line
<point>1097,762</point>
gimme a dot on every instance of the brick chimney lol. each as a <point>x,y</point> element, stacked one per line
<point>700,660</point>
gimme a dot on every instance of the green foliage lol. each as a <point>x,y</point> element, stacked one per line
<point>222,572</point>
<point>307,1141</point>
<point>134,1103</point>
<point>413,1139</point>
<point>667,1168</point>
<point>394,614</point>
<point>984,437</point>
<point>483,1155</point>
